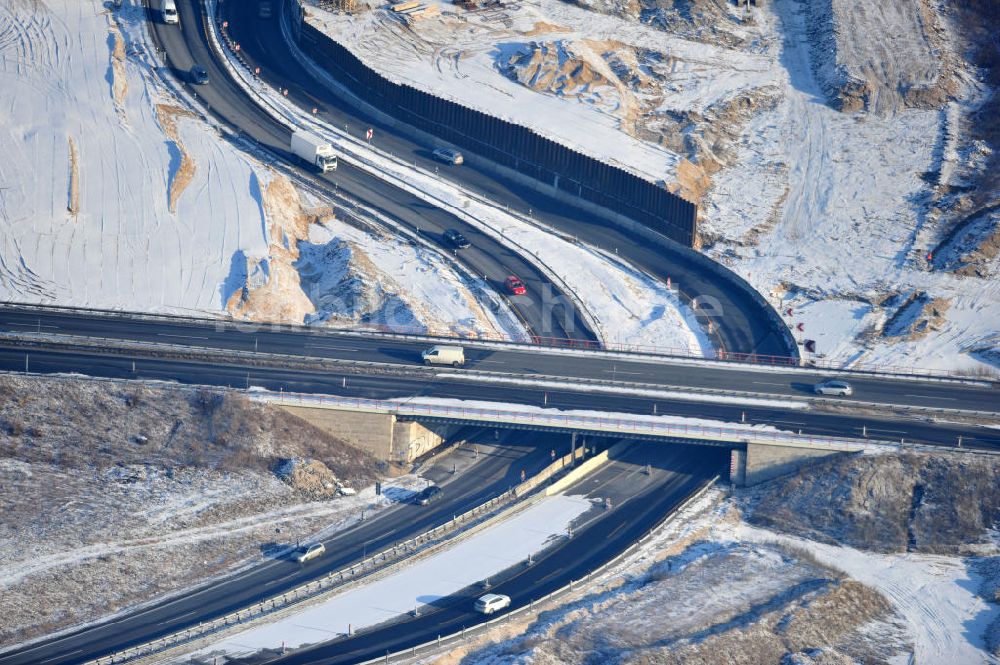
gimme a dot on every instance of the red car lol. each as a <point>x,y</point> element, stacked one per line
<point>515,286</point>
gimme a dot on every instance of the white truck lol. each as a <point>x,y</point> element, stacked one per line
<point>314,150</point>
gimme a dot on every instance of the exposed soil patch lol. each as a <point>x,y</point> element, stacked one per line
<point>73,199</point>
<point>119,81</point>
<point>167,115</point>
<point>917,316</point>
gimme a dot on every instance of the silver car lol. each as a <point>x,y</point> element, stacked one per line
<point>448,156</point>
<point>307,552</point>
<point>834,387</point>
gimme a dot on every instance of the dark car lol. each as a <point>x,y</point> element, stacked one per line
<point>455,239</point>
<point>199,75</point>
<point>432,493</point>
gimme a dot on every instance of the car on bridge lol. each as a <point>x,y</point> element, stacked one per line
<point>834,387</point>
<point>309,552</point>
<point>515,286</point>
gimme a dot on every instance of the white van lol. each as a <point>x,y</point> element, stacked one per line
<point>444,355</point>
<point>492,602</point>
<point>170,12</point>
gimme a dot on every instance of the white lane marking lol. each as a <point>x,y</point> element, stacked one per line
<point>890,431</point>
<point>613,371</point>
<point>950,399</point>
<point>332,348</point>
<point>766,383</point>
<point>63,655</point>
<point>181,336</point>
<point>29,325</point>
<point>787,422</point>
<point>180,617</point>
<point>281,579</point>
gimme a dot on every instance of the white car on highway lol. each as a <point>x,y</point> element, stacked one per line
<point>307,552</point>
<point>834,387</point>
<point>492,602</point>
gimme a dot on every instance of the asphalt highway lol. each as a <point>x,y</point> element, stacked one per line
<point>639,502</point>
<point>482,475</point>
<point>878,425</point>
<point>187,44</point>
<point>742,326</point>
<point>531,362</point>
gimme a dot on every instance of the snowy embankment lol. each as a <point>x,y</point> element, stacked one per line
<point>832,217</point>
<point>472,560</point>
<point>117,193</point>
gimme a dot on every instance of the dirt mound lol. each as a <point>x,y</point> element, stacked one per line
<point>308,476</point>
<point>935,503</point>
<point>880,56</point>
<point>552,67</point>
<point>918,315</point>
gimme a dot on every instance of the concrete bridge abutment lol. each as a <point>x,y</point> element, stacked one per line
<point>383,435</point>
<point>762,462</point>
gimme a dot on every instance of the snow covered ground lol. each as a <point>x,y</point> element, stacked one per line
<point>115,193</point>
<point>470,561</point>
<point>828,213</point>
<point>936,594</point>
<point>87,126</point>
<point>828,218</point>
<point>785,599</point>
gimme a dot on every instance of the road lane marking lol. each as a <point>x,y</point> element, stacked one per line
<point>950,399</point>
<point>180,617</point>
<point>281,579</point>
<point>28,325</point>
<point>181,336</point>
<point>767,383</point>
<point>890,431</point>
<point>612,371</point>
<point>63,655</point>
<point>332,348</point>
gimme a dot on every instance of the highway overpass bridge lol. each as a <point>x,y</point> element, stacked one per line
<point>402,430</point>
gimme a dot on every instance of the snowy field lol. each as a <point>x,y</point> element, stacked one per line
<point>470,561</point>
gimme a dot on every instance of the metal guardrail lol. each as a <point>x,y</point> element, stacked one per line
<point>530,607</point>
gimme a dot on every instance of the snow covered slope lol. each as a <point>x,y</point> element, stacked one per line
<point>116,193</point>
<point>112,195</point>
